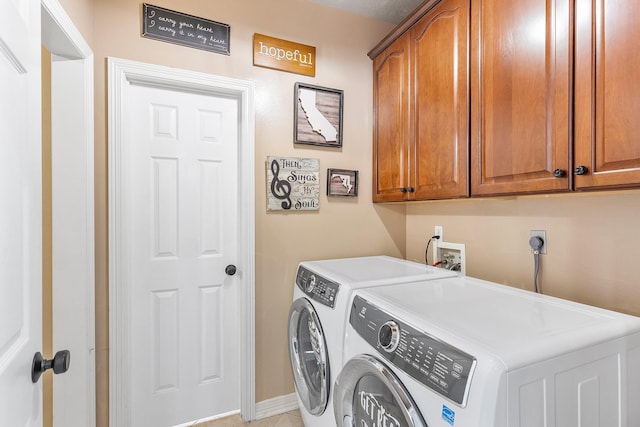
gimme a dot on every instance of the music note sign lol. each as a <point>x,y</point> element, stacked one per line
<point>293,184</point>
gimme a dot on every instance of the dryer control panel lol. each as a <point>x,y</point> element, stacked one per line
<point>436,364</point>
<point>317,287</point>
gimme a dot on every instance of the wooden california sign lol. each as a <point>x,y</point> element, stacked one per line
<point>284,55</point>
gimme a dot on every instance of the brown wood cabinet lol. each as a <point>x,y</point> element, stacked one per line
<point>421,120</point>
<point>607,94</point>
<point>391,123</point>
<point>514,97</point>
<point>521,104</point>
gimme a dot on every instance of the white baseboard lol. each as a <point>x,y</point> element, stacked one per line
<point>276,406</point>
<point>204,420</point>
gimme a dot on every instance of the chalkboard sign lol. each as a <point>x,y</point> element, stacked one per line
<point>176,27</point>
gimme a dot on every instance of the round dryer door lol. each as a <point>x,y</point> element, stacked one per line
<point>309,357</point>
<point>367,393</point>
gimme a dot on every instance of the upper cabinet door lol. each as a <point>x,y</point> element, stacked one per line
<point>440,113</point>
<point>607,94</point>
<point>391,134</point>
<point>520,109</point>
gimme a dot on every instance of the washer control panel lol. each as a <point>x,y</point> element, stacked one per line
<point>317,287</point>
<point>441,367</point>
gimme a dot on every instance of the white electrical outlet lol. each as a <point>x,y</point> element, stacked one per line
<point>438,232</point>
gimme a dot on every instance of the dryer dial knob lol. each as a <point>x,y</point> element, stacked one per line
<point>311,283</point>
<point>389,336</point>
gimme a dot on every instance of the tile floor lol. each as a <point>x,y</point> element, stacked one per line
<point>288,419</point>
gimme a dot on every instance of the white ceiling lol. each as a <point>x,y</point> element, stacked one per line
<point>392,11</point>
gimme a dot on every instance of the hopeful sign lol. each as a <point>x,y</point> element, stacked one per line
<point>284,55</point>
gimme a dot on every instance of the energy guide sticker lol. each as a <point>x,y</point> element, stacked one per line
<point>448,415</point>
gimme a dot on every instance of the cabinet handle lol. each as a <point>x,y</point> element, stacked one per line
<point>559,173</point>
<point>403,190</point>
<point>582,170</point>
<point>411,190</point>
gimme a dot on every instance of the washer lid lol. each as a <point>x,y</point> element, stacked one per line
<point>375,271</point>
<point>368,393</point>
<point>309,356</point>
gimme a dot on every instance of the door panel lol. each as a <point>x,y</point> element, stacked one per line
<point>391,122</point>
<point>440,43</point>
<point>520,96</point>
<point>183,196</point>
<point>607,139</point>
<point>21,213</point>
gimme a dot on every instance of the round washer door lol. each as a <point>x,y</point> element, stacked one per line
<point>367,393</point>
<point>309,356</point>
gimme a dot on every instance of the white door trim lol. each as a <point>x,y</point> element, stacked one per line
<point>63,39</point>
<point>120,74</point>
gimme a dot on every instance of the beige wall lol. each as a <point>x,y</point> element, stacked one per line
<point>81,13</point>
<point>342,227</point>
<point>592,239</point>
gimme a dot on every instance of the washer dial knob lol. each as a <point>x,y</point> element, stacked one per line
<point>389,336</point>
<point>311,283</point>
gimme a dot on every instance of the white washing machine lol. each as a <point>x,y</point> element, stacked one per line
<point>462,352</point>
<point>318,316</point>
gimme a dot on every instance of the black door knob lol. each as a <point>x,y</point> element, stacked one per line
<point>230,270</point>
<point>60,364</point>
<point>559,173</point>
<point>581,170</point>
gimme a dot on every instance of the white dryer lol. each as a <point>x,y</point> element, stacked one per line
<point>462,352</point>
<point>318,316</point>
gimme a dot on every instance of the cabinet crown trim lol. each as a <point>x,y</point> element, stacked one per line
<point>402,27</point>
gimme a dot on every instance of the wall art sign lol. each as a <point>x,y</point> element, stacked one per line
<point>342,182</point>
<point>293,184</point>
<point>284,55</point>
<point>317,115</point>
<point>187,30</point>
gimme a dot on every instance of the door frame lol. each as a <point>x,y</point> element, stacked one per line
<point>122,73</point>
<point>65,42</point>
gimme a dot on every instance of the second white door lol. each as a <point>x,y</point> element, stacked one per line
<point>181,166</point>
<point>20,213</point>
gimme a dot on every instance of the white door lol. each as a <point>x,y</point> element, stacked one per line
<point>20,212</point>
<point>181,152</point>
